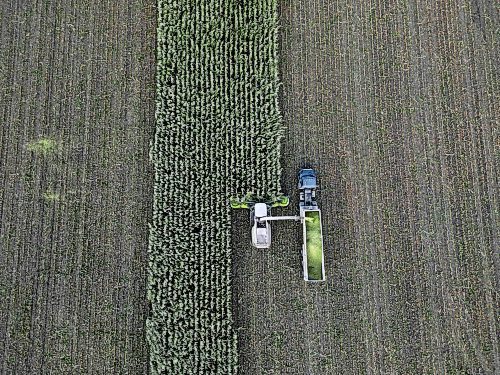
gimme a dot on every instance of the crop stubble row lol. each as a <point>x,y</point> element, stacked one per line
<point>396,104</point>
<point>73,233</point>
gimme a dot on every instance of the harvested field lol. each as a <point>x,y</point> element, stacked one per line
<point>77,114</point>
<point>396,105</point>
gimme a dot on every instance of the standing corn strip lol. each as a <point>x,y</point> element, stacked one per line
<point>218,135</point>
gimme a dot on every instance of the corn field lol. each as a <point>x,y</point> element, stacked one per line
<point>217,135</point>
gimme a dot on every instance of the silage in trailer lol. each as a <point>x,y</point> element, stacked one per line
<point>217,135</point>
<point>314,245</point>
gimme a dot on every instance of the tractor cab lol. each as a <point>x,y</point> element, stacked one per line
<point>307,179</point>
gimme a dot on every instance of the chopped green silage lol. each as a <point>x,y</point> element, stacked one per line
<point>314,245</point>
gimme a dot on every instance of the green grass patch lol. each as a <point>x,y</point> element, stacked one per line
<point>43,146</point>
<point>314,245</point>
<point>51,196</point>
